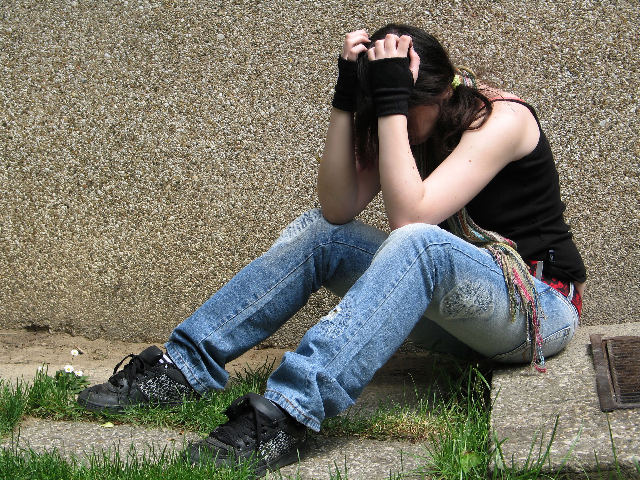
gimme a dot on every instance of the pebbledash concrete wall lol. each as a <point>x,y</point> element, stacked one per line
<point>149,150</point>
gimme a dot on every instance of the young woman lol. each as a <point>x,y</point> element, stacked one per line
<point>500,276</point>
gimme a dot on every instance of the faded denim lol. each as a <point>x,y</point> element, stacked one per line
<point>420,278</point>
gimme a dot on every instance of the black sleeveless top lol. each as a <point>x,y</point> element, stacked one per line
<point>522,203</point>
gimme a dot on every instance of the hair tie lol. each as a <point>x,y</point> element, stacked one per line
<point>464,76</point>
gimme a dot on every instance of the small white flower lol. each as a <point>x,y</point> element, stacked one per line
<point>74,353</point>
<point>68,368</point>
<point>78,373</point>
<point>40,368</point>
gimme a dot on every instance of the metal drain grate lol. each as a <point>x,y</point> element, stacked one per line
<point>617,364</point>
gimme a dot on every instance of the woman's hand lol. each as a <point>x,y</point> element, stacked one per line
<point>354,44</point>
<point>393,71</point>
<point>344,97</point>
<point>393,46</point>
<point>344,187</point>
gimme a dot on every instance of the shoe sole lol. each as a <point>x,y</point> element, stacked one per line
<point>259,470</point>
<point>95,407</point>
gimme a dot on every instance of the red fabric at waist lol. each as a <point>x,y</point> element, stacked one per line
<point>562,286</point>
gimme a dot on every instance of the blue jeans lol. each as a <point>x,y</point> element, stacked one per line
<point>420,278</point>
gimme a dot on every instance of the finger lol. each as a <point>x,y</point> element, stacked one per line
<point>358,49</point>
<point>352,54</point>
<point>353,43</point>
<point>371,53</point>
<point>404,44</point>
<point>356,37</point>
<point>414,64</point>
<point>380,48</point>
<point>391,44</point>
<point>364,38</point>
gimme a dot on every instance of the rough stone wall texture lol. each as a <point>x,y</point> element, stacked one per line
<point>151,149</point>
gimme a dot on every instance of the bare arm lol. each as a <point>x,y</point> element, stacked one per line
<point>508,134</point>
<point>344,188</point>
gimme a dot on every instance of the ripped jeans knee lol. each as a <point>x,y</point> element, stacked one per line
<point>300,225</point>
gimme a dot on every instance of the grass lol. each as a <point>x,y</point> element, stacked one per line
<point>462,450</point>
<point>54,398</point>
<point>28,465</point>
<point>454,421</point>
<point>13,404</point>
<point>414,421</point>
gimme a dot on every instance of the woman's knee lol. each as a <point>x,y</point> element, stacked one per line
<point>310,222</point>
<point>421,230</point>
<point>313,224</point>
<point>417,234</point>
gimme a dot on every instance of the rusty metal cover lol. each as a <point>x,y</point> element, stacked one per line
<point>617,364</point>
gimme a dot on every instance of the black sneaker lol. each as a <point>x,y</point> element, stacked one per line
<point>144,380</point>
<point>258,431</point>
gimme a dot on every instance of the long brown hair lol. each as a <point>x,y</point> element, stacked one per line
<point>466,108</point>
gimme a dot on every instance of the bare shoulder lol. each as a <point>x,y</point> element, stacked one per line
<point>513,113</point>
<point>513,120</point>
<point>508,103</point>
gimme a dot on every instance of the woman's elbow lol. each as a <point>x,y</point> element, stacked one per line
<point>335,217</point>
<point>394,225</point>
<point>404,221</point>
<point>333,210</point>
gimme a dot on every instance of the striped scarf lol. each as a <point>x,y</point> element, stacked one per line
<point>523,296</point>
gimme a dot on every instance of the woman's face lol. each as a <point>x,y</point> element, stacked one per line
<point>420,122</point>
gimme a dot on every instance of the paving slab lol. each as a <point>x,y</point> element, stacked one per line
<point>358,458</point>
<point>82,439</point>
<point>526,405</point>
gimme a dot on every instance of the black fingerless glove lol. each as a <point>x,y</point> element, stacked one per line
<point>344,97</point>
<point>391,85</point>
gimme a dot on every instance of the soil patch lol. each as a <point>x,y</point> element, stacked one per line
<point>23,351</point>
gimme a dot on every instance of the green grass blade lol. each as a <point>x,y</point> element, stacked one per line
<point>13,403</point>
